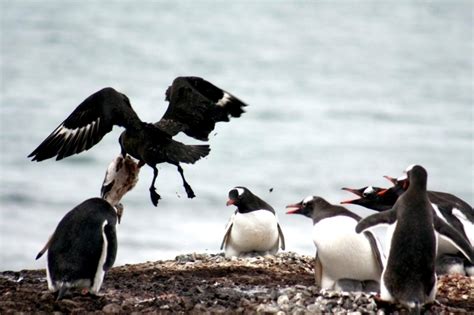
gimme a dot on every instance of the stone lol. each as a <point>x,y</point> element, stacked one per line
<point>283,299</point>
<point>112,308</point>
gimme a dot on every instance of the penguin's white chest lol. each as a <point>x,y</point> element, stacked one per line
<point>343,252</point>
<point>254,231</point>
<point>446,246</point>
<point>468,225</point>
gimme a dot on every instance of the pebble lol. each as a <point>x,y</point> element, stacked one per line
<point>283,299</point>
<point>313,308</point>
<point>112,308</point>
<point>302,299</point>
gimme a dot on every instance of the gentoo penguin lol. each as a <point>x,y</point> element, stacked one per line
<point>447,207</point>
<point>450,208</point>
<point>341,253</point>
<point>195,106</point>
<point>370,198</point>
<point>253,228</point>
<point>409,275</point>
<point>82,248</point>
<point>84,245</point>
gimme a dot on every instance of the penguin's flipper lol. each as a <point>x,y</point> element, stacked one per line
<point>385,217</point>
<point>111,235</point>
<point>228,229</point>
<point>281,236</point>
<point>44,249</point>
<point>453,236</point>
<point>376,249</point>
<point>318,270</point>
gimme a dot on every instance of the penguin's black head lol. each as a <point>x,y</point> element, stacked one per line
<point>417,175</point>
<point>238,196</point>
<point>307,206</point>
<point>367,195</point>
<point>246,201</point>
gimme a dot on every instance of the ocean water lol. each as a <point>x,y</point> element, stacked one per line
<point>339,94</point>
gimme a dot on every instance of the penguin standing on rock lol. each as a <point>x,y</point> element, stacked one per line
<point>82,248</point>
<point>253,228</point>
<point>447,207</point>
<point>341,254</point>
<point>409,276</point>
<point>84,245</point>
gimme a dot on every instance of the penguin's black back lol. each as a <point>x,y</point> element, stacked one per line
<point>76,245</point>
<point>322,209</point>
<point>410,271</point>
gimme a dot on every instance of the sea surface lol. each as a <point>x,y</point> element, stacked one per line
<point>339,93</point>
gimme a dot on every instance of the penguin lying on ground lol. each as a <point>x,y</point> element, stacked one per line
<point>409,276</point>
<point>341,253</point>
<point>84,245</point>
<point>253,228</point>
<point>195,106</point>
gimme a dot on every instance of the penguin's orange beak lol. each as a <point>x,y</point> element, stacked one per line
<point>393,180</point>
<point>230,202</point>
<point>349,201</point>
<point>354,191</point>
<point>292,209</point>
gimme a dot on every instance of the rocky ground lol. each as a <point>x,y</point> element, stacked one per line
<point>198,283</point>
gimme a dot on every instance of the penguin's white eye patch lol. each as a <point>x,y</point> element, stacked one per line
<point>409,168</point>
<point>307,200</point>
<point>369,190</point>
<point>240,191</point>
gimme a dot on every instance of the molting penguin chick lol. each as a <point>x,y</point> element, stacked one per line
<point>450,264</point>
<point>409,275</point>
<point>253,228</point>
<point>341,253</point>
<point>121,177</point>
<point>82,248</point>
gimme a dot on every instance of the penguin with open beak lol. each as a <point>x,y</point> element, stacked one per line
<point>341,253</point>
<point>409,276</point>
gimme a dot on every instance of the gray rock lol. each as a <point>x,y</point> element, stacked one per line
<point>112,308</point>
<point>313,308</point>
<point>283,299</point>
